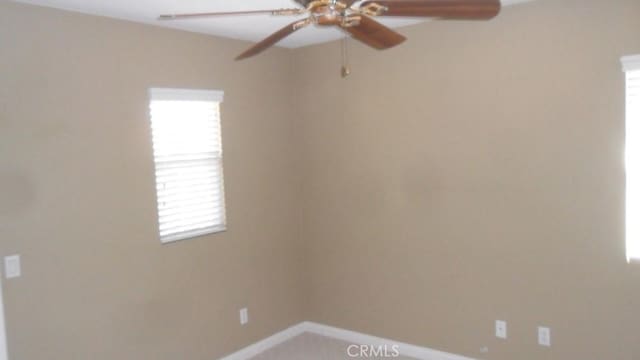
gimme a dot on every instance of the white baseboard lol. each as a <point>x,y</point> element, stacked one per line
<point>266,344</point>
<point>414,351</point>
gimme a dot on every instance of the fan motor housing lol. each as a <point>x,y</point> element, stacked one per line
<point>324,16</point>
<point>304,3</point>
<point>313,5</point>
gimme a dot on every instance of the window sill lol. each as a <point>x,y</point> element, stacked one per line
<point>193,234</point>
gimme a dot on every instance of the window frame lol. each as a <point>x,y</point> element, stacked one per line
<point>175,94</point>
<point>631,67</point>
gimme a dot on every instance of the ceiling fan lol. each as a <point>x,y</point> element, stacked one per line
<point>357,20</point>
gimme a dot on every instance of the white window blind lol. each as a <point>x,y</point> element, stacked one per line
<point>187,151</point>
<point>631,66</point>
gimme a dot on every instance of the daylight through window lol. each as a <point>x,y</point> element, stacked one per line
<point>188,162</point>
<point>632,156</point>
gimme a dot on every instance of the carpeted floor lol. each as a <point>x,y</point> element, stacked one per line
<point>315,347</point>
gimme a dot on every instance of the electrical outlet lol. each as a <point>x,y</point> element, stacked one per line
<point>544,336</point>
<point>501,329</point>
<point>12,266</point>
<point>244,316</point>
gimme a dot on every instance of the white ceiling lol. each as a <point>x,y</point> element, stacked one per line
<point>247,27</point>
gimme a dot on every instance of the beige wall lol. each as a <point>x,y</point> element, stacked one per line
<point>77,196</point>
<point>472,174</point>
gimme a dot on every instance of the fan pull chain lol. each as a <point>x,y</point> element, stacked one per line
<point>346,69</point>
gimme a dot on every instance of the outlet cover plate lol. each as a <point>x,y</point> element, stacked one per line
<point>544,336</point>
<point>244,316</point>
<point>501,329</point>
<point>12,266</point>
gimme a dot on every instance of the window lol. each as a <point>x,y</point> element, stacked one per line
<point>631,66</point>
<point>188,162</point>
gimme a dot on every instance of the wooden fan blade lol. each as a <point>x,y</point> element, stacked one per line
<point>274,38</point>
<point>445,9</point>
<point>375,34</point>
<point>252,12</point>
